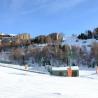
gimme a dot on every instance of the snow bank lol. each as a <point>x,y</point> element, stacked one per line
<point>22,84</point>
<point>37,69</point>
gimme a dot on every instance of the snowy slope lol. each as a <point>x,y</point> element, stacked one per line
<point>34,68</point>
<point>74,41</point>
<point>70,40</point>
<point>21,84</point>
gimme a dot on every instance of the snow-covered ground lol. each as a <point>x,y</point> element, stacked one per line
<point>16,83</point>
<point>74,41</point>
<point>34,68</point>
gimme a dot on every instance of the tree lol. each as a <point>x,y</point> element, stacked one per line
<point>82,36</point>
<point>96,30</point>
<point>18,55</point>
<point>94,51</point>
<point>95,33</point>
<point>89,34</point>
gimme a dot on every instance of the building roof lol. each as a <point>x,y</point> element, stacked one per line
<point>64,68</point>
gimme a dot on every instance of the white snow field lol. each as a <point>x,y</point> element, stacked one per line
<point>16,83</point>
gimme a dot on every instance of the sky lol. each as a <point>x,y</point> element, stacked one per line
<point>41,17</point>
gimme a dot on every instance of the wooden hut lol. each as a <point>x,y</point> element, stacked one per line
<point>64,71</point>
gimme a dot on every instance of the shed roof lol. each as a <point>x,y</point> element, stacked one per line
<point>64,68</point>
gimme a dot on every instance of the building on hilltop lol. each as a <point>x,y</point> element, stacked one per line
<point>23,36</point>
<point>56,36</point>
<point>7,40</point>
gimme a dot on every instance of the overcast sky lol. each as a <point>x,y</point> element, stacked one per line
<point>45,16</point>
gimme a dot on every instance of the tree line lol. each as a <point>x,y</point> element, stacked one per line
<point>89,34</point>
<point>54,52</point>
<point>57,55</point>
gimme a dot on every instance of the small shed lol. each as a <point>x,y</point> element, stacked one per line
<point>63,71</point>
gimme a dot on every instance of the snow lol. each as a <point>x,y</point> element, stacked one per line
<point>16,83</point>
<point>65,68</point>
<point>59,68</point>
<point>75,68</point>
<point>33,68</point>
<point>74,41</point>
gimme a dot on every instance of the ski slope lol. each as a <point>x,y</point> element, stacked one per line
<point>16,83</point>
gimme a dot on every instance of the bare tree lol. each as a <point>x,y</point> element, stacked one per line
<point>94,51</point>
